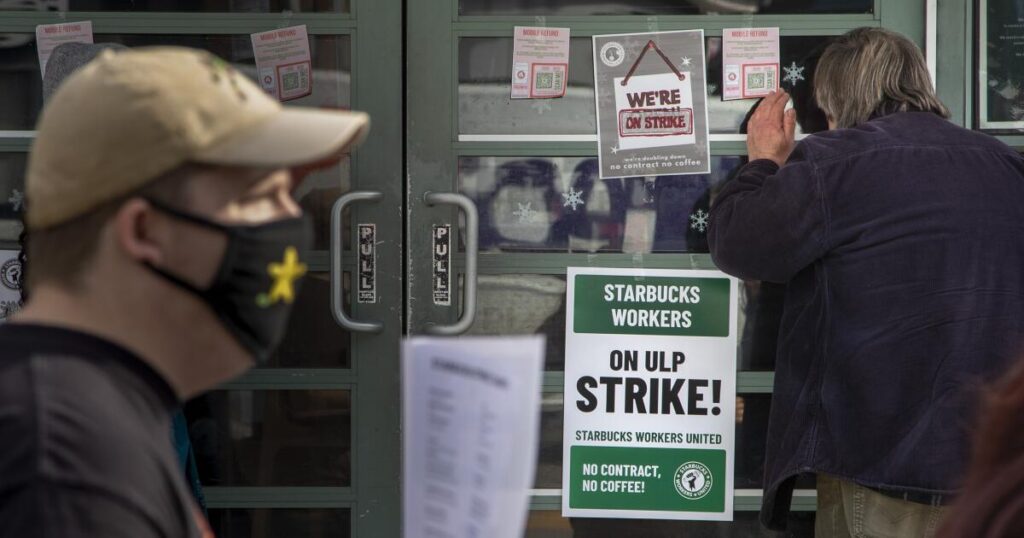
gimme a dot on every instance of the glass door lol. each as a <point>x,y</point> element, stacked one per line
<point>521,163</point>
<point>307,445</point>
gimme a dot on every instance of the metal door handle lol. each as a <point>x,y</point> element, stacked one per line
<point>337,292</point>
<point>472,244</point>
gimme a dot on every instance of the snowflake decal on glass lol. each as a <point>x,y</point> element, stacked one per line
<point>615,149</point>
<point>699,221</point>
<point>648,193</point>
<point>687,61</point>
<point>1017,112</point>
<point>541,106</point>
<point>525,213</point>
<point>573,198</point>
<point>17,200</point>
<point>712,88</point>
<point>794,73</point>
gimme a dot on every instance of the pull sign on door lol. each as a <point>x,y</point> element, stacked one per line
<point>442,276</point>
<point>367,285</point>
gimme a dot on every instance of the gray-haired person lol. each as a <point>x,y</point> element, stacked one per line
<point>901,239</point>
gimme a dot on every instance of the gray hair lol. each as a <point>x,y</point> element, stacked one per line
<point>870,72</point>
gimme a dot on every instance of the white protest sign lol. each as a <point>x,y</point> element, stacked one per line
<point>540,62</point>
<point>471,412</point>
<point>750,62</point>
<point>49,36</point>
<point>652,117</point>
<point>650,394</point>
<point>283,62</point>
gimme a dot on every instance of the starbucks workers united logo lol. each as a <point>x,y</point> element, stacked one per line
<point>693,480</point>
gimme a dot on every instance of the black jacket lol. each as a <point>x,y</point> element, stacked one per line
<point>902,243</point>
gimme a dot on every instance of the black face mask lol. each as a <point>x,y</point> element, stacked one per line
<point>257,281</point>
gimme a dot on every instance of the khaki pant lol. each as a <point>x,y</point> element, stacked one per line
<point>847,510</point>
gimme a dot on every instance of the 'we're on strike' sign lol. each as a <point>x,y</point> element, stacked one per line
<point>652,115</point>
<point>650,394</point>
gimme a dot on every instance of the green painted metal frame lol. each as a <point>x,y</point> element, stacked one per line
<point>956,60</point>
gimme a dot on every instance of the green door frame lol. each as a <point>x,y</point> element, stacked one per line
<point>434,147</point>
<point>373,498</point>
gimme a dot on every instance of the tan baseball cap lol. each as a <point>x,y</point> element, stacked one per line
<point>129,116</point>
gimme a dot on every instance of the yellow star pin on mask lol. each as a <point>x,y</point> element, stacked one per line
<point>285,274</point>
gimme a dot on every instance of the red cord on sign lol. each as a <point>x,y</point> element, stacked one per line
<point>652,45</point>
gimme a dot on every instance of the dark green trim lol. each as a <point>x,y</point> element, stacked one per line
<point>110,22</point>
<point>279,497</point>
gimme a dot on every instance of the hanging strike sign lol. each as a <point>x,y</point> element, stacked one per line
<point>650,394</point>
<point>651,104</point>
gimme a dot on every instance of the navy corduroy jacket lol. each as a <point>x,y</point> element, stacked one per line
<point>901,242</point>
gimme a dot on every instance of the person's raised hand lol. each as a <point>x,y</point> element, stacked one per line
<point>771,129</point>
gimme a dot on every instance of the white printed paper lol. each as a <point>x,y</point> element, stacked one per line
<point>49,36</point>
<point>540,62</point>
<point>470,424</point>
<point>283,62</point>
<point>750,62</point>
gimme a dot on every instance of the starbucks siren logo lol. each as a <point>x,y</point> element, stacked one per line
<point>10,274</point>
<point>693,480</point>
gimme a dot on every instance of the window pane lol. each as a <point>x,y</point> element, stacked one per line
<point>272,437</point>
<point>21,83</point>
<point>12,194</point>
<point>313,339</point>
<point>316,193</point>
<point>485,105</point>
<point>558,204</point>
<point>225,6</point>
<point>270,522</point>
<point>520,304</point>
<point>551,524</point>
<point>1001,69</point>
<point>751,434</point>
<point>660,7</point>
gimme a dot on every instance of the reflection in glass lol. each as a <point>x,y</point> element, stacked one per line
<point>272,437</point>
<point>485,105</point>
<point>751,435</point>
<point>273,522</point>
<point>558,204</point>
<point>515,304</point>
<point>551,524</point>
<point>21,84</point>
<point>12,194</point>
<point>313,339</point>
<point>316,193</point>
<point>1001,70</point>
<point>660,7</point>
<point>207,6</point>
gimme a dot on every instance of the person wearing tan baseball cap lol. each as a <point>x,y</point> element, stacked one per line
<point>165,250</point>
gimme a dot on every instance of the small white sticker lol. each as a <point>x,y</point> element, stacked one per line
<point>442,276</point>
<point>367,285</point>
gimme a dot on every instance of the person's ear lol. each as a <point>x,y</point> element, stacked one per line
<point>134,230</point>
